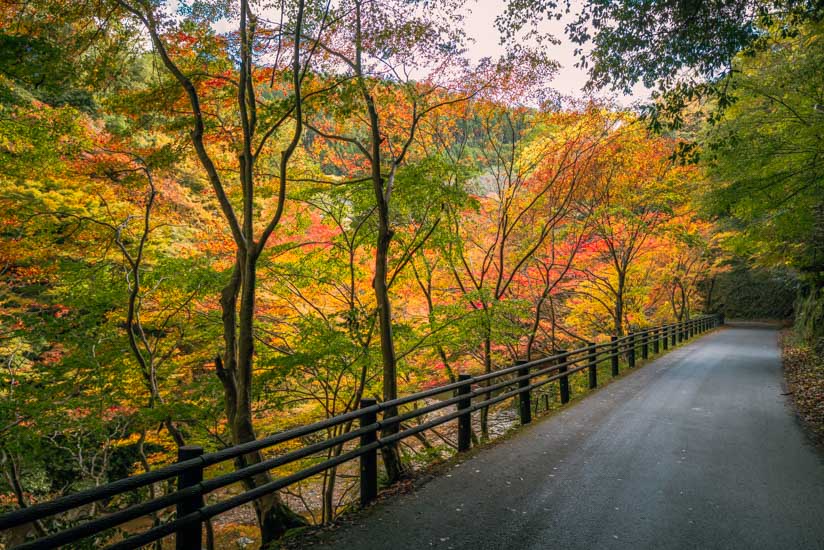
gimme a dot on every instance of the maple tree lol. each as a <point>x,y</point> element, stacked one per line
<point>373,48</point>
<point>532,179</point>
<point>639,188</point>
<point>253,130</point>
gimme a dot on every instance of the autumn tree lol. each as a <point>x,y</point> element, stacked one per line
<point>692,259</point>
<point>638,187</point>
<point>322,329</point>
<point>253,63</point>
<point>57,406</point>
<point>395,64</point>
<point>533,166</point>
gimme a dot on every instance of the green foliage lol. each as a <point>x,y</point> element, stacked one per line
<point>809,318</point>
<point>745,292</point>
<point>681,50</point>
<point>765,154</point>
<point>62,51</point>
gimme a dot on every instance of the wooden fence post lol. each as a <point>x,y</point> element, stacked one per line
<point>465,420</point>
<point>592,363</point>
<point>189,537</point>
<point>524,399</point>
<point>368,461</point>
<point>645,346</point>
<point>631,353</point>
<point>563,382</point>
<point>656,341</point>
<point>665,339</point>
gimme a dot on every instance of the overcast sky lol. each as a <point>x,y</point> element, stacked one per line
<point>480,25</point>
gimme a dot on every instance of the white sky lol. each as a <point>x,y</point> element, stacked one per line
<point>480,26</point>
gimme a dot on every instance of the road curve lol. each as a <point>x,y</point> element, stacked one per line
<point>699,450</point>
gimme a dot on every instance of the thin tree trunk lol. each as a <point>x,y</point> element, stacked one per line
<point>709,303</point>
<point>390,453</point>
<point>382,191</point>
<point>328,505</point>
<point>619,311</point>
<point>235,372</point>
<point>12,474</point>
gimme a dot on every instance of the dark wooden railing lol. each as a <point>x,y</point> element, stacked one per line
<point>469,394</point>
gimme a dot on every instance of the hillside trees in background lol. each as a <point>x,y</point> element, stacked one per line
<point>744,291</point>
<point>639,190</point>
<point>71,396</point>
<point>103,337</point>
<point>91,258</point>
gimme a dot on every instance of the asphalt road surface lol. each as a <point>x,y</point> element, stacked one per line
<point>699,449</point>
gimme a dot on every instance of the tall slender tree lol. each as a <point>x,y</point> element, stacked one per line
<point>396,64</point>
<point>256,56</point>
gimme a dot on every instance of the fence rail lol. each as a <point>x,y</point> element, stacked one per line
<point>470,394</point>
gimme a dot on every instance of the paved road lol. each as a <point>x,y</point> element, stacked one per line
<point>697,450</point>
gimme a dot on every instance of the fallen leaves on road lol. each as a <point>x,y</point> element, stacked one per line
<point>804,373</point>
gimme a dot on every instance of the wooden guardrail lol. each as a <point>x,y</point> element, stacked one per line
<point>470,394</point>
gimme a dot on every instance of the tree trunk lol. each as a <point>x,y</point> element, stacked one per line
<point>391,455</point>
<point>536,322</point>
<point>235,372</point>
<point>619,311</point>
<point>709,302</point>
<point>328,504</point>
<point>382,190</point>
<point>12,475</point>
